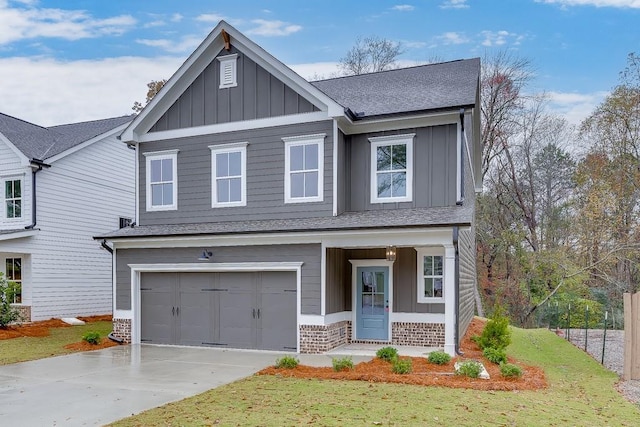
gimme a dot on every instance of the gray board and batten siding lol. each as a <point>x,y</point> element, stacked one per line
<point>308,254</point>
<point>434,169</point>
<point>258,95</point>
<point>265,177</point>
<point>339,280</point>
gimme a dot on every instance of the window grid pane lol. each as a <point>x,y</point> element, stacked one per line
<point>13,199</point>
<point>433,276</point>
<point>228,176</point>
<point>303,170</point>
<point>391,170</point>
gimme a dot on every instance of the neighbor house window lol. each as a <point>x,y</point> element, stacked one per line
<point>13,268</point>
<point>162,180</point>
<point>229,175</point>
<point>13,198</point>
<point>392,168</point>
<point>430,275</point>
<point>228,71</point>
<point>304,168</point>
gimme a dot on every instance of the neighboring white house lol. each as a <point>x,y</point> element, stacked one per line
<point>62,185</point>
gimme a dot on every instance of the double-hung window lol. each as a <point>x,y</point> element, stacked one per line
<point>162,180</point>
<point>304,168</point>
<point>430,275</point>
<point>392,168</point>
<point>13,269</point>
<point>229,175</point>
<point>13,198</point>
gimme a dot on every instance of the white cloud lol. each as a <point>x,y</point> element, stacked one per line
<point>316,70</point>
<point>403,7</point>
<point>623,4</point>
<point>272,28</point>
<point>88,89</point>
<point>575,107</point>
<point>211,17</point>
<point>500,38</point>
<point>185,44</point>
<point>20,23</point>
<point>156,23</point>
<point>176,17</point>
<point>454,4</point>
<point>413,44</point>
<point>452,38</point>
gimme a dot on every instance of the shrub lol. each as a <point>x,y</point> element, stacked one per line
<point>495,355</point>
<point>287,362</point>
<point>402,366</point>
<point>439,357</point>
<point>342,364</point>
<point>496,333</point>
<point>8,314</point>
<point>509,370</point>
<point>92,338</point>
<point>387,353</point>
<point>469,368</point>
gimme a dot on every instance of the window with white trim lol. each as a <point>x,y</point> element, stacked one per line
<point>13,273</point>
<point>304,168</point>
<point>392,168</point>
<point>229,175</point>
<point>430,275</point>
<point>13,198</point>
<point>228,70</point>
<point>162,180</point>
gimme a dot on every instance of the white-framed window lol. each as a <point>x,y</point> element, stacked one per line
<point>430,275</point>
<point>228,70</point>
<point>162,180</point>
<point>13,198</point>
<point>304,168</point>
<point>392,168</point>
<point>229,175</point>
<point>13,269</point>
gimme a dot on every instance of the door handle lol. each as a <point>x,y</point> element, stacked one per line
<point>258,313</point>
<point>173,311</point>
<point>253,311</point>
<point>177,311</point>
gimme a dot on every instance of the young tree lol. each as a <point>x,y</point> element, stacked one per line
<point>370,55</point>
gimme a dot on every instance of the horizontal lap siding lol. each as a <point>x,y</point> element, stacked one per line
<point>467,252</point>
<point>265,177</point>
<point>309,255</point>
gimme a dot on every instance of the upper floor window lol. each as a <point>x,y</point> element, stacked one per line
<point>228,70</point>
<point>229,174</point>
<point>304,168</point>
<point>430,275</point>
<point>162,180</point>
<point>392,168</point>
<point>13,198</point>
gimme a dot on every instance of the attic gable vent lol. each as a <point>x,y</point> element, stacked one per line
<point>228,71</point>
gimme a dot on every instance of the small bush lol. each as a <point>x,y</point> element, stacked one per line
<point>342,364</point>
<point>92,338</point>
<point>439,357</point>
<point>495,355</point>
<point>402,366</point>
<point>387,353</point>
<point>287,362</point>
<point>496,333</point>
<point>8,313</point>
<point>470,368</point>
<point>509,370</point>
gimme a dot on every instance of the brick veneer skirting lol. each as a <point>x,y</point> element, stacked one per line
<point>418,334</point>
<point>122,329</point>
<point>322,338</point>
<point>24,310</point>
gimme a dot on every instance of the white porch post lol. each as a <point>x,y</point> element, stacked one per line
<point>449,299</point>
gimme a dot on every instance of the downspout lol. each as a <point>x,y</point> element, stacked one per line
<point>457,292</point>
<point>36,166</point>
<point>460,157</point>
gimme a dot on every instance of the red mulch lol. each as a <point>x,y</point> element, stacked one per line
<point>85,346</point>
<point>425,373</point>
<point>41,328</point>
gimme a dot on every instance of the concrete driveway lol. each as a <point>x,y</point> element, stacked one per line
<point>99,387</point>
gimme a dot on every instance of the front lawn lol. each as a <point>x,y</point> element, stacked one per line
<point>30,348</point>
<point>580,393</point>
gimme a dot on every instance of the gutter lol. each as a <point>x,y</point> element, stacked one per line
<point>36,166</point>
<point>456,332</point>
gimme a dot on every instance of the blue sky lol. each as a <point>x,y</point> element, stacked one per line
<point>64,61</point>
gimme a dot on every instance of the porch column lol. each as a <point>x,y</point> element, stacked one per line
<point>449,299</point>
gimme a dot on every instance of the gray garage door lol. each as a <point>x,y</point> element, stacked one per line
<point>234,310</point>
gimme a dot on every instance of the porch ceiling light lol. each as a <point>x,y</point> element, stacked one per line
<point>206,255</point>
<point>391,253</point>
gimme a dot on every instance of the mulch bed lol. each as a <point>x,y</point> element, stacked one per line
<point>85,346</point>
<point>425,373</point>
<point>41,328</point>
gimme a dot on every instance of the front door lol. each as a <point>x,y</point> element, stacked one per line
<point>372,303</point>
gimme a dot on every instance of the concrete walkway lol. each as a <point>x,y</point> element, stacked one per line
<point>99,387</point>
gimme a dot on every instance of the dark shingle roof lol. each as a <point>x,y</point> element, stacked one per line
<point>423,88</point>
<point>440,216</point>
<point>37,142</point>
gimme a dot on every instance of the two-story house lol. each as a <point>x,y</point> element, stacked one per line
<point>275,213</point>
<point>61,186</point>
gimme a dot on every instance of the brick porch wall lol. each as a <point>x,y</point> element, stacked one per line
<point>418,334</point>
<point>122,329</point>
<point>315,339</point>
<point>24,310</point>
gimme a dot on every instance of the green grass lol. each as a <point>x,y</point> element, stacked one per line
<point>581,393</point>
<point>32,348</point>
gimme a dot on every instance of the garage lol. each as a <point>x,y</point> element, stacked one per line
<point>252,310</point>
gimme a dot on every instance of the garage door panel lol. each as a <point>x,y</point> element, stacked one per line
<point>277,324</point>
<point>157,297</point>
<point>195,318</point>
<point>237,311</point>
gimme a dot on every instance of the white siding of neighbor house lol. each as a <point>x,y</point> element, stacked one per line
<point>82,195</point>
<point>11,167</point>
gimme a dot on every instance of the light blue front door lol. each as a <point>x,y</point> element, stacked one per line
<point>372,303</point>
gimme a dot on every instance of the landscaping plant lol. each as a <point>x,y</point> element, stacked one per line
<point>287,362</point>
<point>439,358</point>
<point>402,366</point>
<point>92,337</point>
<point>387,353</point>
<point>470,368</point>
<point>510,370</point>
<point>342,363</point>
<point>8,313</point>
<point>495,355</point>
<point>496,332</point>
